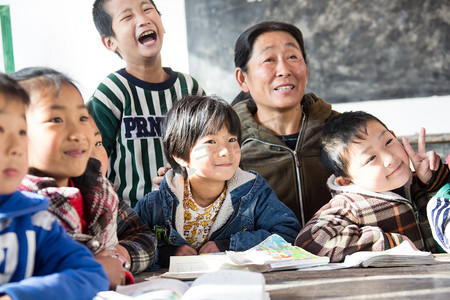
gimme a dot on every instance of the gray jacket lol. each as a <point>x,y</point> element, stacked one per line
<point>298,177</point>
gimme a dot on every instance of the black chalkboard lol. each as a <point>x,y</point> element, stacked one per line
<point>357,50</point>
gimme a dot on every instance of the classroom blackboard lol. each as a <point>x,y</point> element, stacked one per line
<point>357,50</point>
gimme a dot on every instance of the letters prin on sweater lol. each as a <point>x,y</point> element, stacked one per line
<point>142,127</point>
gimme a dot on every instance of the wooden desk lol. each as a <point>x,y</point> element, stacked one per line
<point>422,282</point>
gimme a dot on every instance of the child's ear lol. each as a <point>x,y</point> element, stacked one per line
<point>110,43</point>
<point>342,181</point>
<point>181,162</point>
<point>241,79</point>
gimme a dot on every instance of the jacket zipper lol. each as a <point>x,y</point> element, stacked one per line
<point>297,164</point>
<point>297,171</point>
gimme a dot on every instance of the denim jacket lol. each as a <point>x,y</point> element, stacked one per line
<point>250,213</point>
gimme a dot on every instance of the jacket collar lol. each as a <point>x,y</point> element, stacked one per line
<point>172,188</point>
<point>313,107</point>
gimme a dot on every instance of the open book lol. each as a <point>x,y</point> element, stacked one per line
<point>273,254</point>
<point>402,255</point>
<point>222,284</point>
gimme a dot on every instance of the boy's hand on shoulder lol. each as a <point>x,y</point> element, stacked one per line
<point>209,247</point>
<point>160,175</point>
<point>185,250</point>
<point>424,162</point>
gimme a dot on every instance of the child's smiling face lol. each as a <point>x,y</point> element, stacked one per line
<point>13,144</point>
<point>378,163</point>
<point>60,136</point>
<point>215,157</point>
<point>138,30</point>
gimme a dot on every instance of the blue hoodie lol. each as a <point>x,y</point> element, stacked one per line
<point>38,260</point>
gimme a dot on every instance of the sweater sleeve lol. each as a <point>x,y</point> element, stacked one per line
<point>334,231</point>
<point>136,237</point>
<point>111,227</point>
<point>439,178</point>
<point>63,268</point>
<point>438,210</point>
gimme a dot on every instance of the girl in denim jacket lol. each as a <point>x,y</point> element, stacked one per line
<point>206,203</point>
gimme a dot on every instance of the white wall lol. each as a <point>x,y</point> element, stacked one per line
<point>61,34</point>
<point>406,116</point>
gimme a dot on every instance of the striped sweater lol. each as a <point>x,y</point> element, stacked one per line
<point>129,113</point>
<point>439,215</point>
<point>357,219</point>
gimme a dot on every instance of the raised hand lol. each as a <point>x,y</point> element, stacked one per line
<point>424,162</point>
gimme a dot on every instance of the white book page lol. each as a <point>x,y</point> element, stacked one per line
<point>404,248</point>
<point>153,284</point>
<point>228,284</point>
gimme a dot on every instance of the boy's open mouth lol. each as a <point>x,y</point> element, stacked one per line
<point>147,37</point>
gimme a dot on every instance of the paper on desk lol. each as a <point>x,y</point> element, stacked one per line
<point>229,285</point>
<point>152,284</point>
<point>152,289</point>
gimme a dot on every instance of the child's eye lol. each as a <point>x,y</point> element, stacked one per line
<point>84,119</point>
<point>22,132</point>
<point>232,140</point>
<point>268,60</point>
<point>388,141</point>
<point>210,142</point>
<point>56,120</point>
<point>98,144</point>
<point>370,159</point>
<point>127,17</point>
<point>1,129</point>
<point>293,57</point>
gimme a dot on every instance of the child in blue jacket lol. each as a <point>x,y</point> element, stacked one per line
<point>206,203</point>
<point>38,260</point>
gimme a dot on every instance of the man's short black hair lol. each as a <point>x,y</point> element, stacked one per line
<point>338,133</point>
<point>192,118</point>
<point>243,47</point>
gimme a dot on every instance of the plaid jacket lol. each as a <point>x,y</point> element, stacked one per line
<point>136,237</point>
<point>100,205</point>
<point>357,219</point>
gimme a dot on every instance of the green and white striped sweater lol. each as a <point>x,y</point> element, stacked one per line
<point>129,113</point>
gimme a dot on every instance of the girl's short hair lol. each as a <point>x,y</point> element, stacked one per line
<point>338,133</point>
<point>12,91</point>
<point>42,78</point>
<point>192,118</point>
